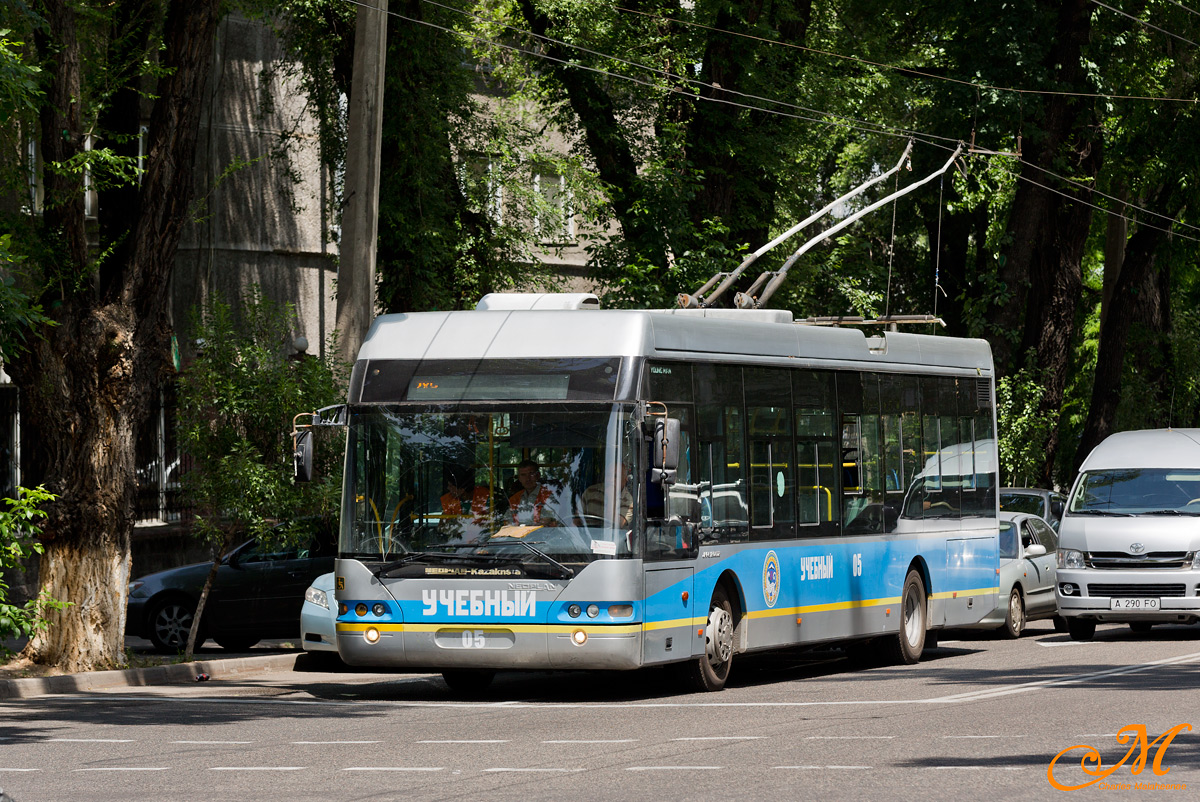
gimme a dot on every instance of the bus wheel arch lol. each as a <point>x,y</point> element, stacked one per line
<point>909,641</point>
<point>710,670</point>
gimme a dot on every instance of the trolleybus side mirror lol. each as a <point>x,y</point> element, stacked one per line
<point>302,458</point>
<point>665,451</point>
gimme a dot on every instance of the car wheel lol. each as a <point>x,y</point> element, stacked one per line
<point>170,624</point>
<point>1014,621</point>
<point>1081,628</point>
<point>236,643</point>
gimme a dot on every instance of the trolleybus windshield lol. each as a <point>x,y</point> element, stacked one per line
<point>495,489</point>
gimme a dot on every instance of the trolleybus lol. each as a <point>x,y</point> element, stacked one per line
<point>536,484</point>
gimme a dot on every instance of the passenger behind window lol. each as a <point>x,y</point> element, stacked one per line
<point>594,506</point>
<point>465,506</point>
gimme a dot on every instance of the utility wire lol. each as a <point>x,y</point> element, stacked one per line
<point>879,129</point>
<point>1185,8</point>
<point>1143,22</point>
<point>909,70</point>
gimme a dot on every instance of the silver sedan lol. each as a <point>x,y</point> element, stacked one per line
<point>1028,552</point>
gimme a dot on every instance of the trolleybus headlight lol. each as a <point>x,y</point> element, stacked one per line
<point>361,609</point>
<point>579,637</point>
<point>620,610</point>
<point>593,610</point>
<point>342,608</point>
<point>574,610</point>
<point>371,635</point>
<point>379,608</point>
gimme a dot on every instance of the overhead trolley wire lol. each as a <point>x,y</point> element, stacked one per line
<point>831,118</point>
<point>1143,22</point>
<point>909,70</point>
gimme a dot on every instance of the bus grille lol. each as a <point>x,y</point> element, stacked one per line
<point>1135,591</point>
<point>1151,560</point>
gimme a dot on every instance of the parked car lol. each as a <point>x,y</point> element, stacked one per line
<point>318,616</point>
<point>1028,553</point>
<point>257,593</point>
<point>1046,504</point>
<point>1130,538</point>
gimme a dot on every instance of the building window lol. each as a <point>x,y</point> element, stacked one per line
<point>555,221</point>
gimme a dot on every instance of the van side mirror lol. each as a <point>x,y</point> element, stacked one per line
<point>664,459</point>
<point>302,457</point>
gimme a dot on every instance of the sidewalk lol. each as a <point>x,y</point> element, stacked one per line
<point>216,664</point>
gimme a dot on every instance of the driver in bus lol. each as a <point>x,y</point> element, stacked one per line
<point>464,505</point>
<point>530,506</point>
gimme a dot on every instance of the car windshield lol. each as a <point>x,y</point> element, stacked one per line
<point>1008,541</point>
<point>1023,502</point>
<point>1138,491</point>
<point>529,487</point>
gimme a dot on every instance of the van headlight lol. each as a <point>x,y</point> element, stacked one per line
<point>1196,561</point>
<point>1070,558</point>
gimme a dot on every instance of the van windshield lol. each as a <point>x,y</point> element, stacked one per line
<point>1138,491</point>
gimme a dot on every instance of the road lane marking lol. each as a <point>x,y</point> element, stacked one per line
<point>7,769</point>
<point>850,737</point>
<point>984,736</point>
<point>534,770</point>
<point>969,696</point>
<point>464,742</point>
<point>129,768</point>
<point>974,768</point>
<point>612,741</point>
<point>394,768</point>
<point>722,738</point>
<point>216,743</point>
<point>823,768</point>
<point>326,743</point>
<point>1051,645</point>
<point>93,740</point>
<point>674,768</point>
<point>257,768</point>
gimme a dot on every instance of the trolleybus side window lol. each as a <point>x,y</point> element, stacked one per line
<point>769,426</point>
<point>863,508</point>
<point>818,453</point>
<point>720,435</point>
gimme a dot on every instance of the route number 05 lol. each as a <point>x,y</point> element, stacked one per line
<point>472,639</point>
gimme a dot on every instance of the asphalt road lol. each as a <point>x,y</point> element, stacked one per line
<point>981,718</point>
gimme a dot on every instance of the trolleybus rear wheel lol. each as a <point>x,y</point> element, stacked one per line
<point>468,680</point>
<point>910,641</point>
<point>709,671</point>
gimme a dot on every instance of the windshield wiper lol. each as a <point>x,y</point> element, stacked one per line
<point>1171,512</point>
<point>567,573</point>
<point>1102,512</point>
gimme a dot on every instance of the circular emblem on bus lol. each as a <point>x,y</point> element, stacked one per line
<point>1136,548</point>
<point>770,579</point>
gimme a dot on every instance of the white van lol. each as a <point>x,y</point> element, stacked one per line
<point>1129,543</point>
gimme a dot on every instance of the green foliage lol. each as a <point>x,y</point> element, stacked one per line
<point>237,401</point>
<point>1023,428</point>
<point>19,528</point>
<point>19,315</point>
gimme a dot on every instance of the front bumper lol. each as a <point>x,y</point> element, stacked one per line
<point>1177,592</point>
<point>317,631</point>
<point>491,646</point>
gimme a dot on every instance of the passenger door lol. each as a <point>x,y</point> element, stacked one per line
<point>1039,571</point>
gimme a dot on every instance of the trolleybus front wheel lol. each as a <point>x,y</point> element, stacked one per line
<point>709,671</point>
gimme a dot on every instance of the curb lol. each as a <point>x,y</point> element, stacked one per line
<point>137,677</point>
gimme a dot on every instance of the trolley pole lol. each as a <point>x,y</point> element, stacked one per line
<point>360,214</point>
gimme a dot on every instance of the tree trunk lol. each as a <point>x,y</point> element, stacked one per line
<point>87,382</point>
<point>1128,301</point>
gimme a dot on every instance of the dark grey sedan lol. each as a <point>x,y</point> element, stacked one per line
<point>257,593</point>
